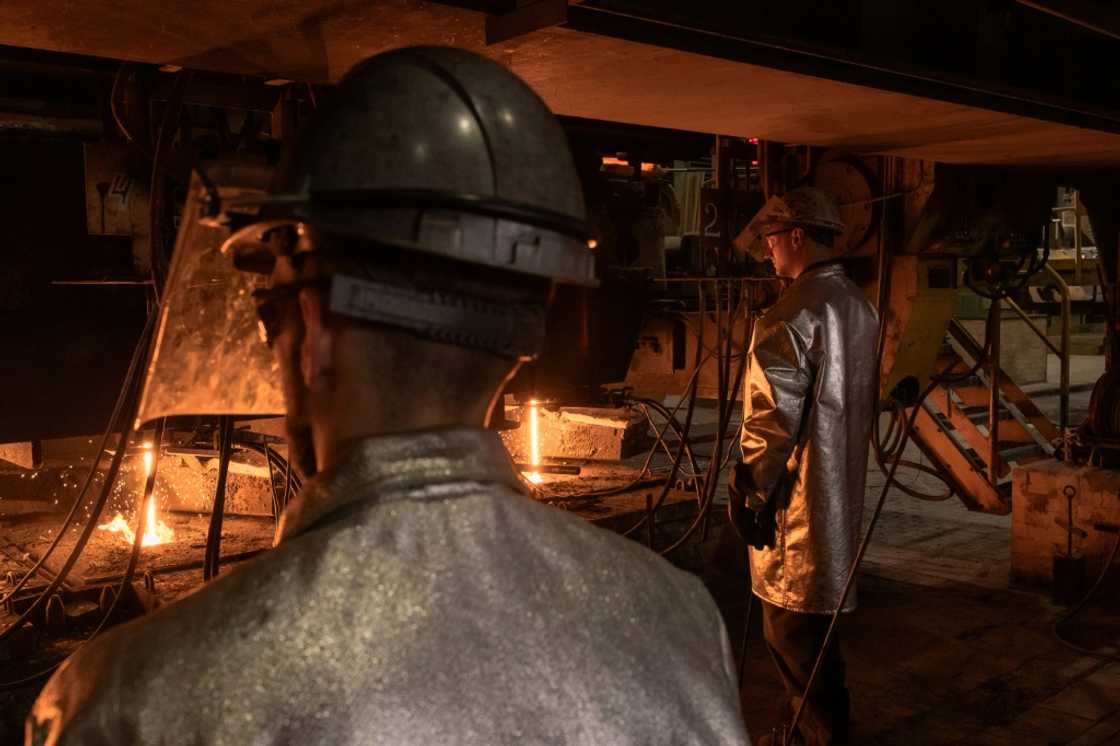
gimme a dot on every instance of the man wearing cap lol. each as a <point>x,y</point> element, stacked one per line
<point>797,494</point>
<point>415,595</point>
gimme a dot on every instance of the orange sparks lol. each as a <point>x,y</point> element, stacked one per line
<point>534,443</point>
<point>155,531</point>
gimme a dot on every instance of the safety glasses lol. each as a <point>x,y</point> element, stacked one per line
<point>772,236</point>
<point>272,304</point>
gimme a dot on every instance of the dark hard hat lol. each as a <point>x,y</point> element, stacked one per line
<point>442,151</point>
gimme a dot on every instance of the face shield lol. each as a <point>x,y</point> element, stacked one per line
<point>751,240</point>
<point>804,206</point>
<point>209,356</point>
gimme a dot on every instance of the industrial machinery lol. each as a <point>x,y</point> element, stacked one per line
<point>980,219</point>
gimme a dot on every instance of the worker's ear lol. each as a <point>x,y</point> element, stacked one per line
<point>317,349</point>
<point>797,238</point>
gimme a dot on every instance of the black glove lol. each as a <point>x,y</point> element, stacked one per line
<point>756,527</point>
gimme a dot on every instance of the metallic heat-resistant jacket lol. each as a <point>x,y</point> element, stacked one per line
<point>415,596</point>
<point>808,402</point>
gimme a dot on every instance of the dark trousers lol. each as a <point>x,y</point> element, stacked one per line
<point>794,640</point>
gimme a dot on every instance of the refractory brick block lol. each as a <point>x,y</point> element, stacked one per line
<point>1039,515</point>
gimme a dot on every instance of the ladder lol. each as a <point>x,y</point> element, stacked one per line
<point>954,427</point>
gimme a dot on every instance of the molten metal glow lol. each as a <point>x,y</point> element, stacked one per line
<point>609,160</point>
<point>155,531</point>
<point>534,443</point>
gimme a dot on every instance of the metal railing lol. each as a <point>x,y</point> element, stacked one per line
<point>1075,208</point>
<point>1063,358</point>
<point>1062,351</point>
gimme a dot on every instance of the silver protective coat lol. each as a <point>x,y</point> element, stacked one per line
<point>809,398</point>
<point>415,596</point>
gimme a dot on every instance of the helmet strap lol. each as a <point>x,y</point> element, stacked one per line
<point>513,331</point>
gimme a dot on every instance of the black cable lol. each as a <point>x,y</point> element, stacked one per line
<point>123,72</point>
<point>1019,278</point>
<point>277,463</point>
<point>671,478</point>
<point>678,430</point>
<point>746,631</point>
<point>114,423</point>
<point>130,570</point>
<point>1056,628</point>
<point>141,515</point>
<point>214,534</point>
<point>129,415</point>
<point>712,482</point>
<point>893,450</point>
<point>287,478</point>
<point>272,482</point>
<point>83,539</point>
<point>831,632</point>
<point>693,388</point>
<point>169,126</point>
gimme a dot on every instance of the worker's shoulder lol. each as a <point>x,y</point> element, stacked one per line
<point>821,295</point>
<point>574,541</point>
<point>158,662</point>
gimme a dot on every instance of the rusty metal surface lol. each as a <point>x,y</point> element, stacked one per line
<point>578,74</point>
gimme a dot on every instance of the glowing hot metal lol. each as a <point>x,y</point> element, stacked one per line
<point>155,531</point>
<point>534,443</point>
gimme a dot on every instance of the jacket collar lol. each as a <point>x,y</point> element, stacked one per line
<point>823,268</point>
<point>381,465</point>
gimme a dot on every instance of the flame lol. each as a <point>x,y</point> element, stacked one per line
<point>155,531</point>
<point>534,443</point>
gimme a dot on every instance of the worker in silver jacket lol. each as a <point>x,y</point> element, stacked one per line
<point>808,402</point>
<point>416,594</point>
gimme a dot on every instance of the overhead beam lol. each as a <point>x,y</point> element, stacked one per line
<point>525,17</point>
<point>792,57</point>
<point>1092,16</point>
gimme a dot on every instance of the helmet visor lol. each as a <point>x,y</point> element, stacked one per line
<point>209,356</point>
<point>751,240</point>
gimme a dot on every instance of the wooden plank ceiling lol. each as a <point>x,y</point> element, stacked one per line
<point>578,74</point>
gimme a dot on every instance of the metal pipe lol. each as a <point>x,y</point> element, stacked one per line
<point>1063,357</point>
<point>993,400</point>
<point>1034,327</point>
<point>1077,238</point>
